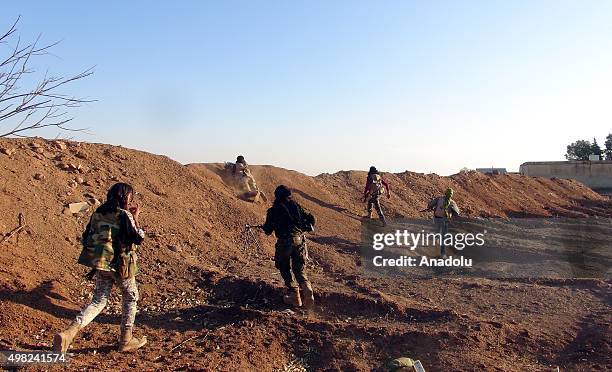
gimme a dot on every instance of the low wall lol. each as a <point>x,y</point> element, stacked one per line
<point>595,174</point>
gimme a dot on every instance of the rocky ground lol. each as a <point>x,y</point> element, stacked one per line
<point>210,297</point>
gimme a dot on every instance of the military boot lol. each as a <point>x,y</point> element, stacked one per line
<point>129,343</point>
<point>292,297</point>
<point>62,340</point>
<point>307,295</point>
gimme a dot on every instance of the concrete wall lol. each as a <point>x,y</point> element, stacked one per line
<point>492,170</point>
<point>595,174</point>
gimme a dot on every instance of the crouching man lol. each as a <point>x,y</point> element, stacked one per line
<point>289,222</point>
<point>109,249</point>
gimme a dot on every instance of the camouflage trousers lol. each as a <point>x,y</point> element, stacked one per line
<point>104,284</point>
<point>374,201</point>
<point>290,259</point>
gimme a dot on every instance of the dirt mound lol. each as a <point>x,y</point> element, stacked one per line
<point>211,301</point>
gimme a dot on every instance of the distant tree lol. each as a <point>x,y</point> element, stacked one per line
<point>28,102</point>
<point>595,149</point>
<point>608,144</point>
<point>579,150</point>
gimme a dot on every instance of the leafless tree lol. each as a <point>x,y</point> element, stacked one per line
<point>40,105</point>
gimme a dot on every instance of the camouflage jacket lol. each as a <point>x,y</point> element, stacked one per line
<point>287,220</point>
<point>108,236</point>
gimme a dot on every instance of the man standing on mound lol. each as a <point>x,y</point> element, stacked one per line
<point>444,208</point>
<point>374,189</point>
<point>289,221</point>
<point>109,249</point>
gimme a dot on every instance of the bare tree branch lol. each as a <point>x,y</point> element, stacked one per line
<point>10,31</point>
<point>40,106</point>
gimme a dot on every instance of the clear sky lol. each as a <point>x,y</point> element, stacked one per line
<point>322,86</point>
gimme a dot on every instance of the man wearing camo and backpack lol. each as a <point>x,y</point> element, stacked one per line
<point>444,208</point>
<point>374,189</point>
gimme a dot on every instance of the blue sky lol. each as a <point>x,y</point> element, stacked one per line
<point>320,86</point>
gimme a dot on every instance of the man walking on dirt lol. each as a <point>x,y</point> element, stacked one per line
<point>444,208</point>
<point>109,249</point>
<point>289,221</point>
<point>375,187</point>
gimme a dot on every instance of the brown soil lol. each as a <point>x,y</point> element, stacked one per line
<point>211,302</point>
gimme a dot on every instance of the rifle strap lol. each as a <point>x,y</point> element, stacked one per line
<point>295,224</point>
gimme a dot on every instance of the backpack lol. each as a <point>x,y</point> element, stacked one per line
<point>376,185</point>
<point>439,208</point>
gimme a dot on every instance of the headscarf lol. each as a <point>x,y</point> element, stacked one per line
<point>281,193</point>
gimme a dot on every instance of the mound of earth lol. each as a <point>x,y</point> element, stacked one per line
<point>210,297</point>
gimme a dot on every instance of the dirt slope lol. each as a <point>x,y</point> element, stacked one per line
<point>210,301</point>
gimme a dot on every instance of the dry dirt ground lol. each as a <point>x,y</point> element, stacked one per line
<point>209,301</point>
